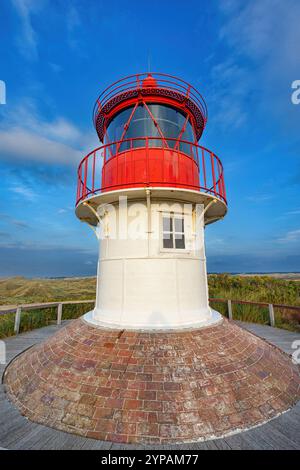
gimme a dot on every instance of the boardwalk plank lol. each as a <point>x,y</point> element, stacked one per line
<point>289,426</point>
<point>275,438</point>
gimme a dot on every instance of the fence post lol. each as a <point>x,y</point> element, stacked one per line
<point>229,306</point>
<point>17,320</point>
<point>271,315</point>
<point>59,314</point>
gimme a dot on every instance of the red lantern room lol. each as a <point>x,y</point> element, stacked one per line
<point>150,125</point>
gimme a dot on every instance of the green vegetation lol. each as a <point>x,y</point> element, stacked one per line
<point>19,290</point>
<point>37,318</point>
<point>257,289</point>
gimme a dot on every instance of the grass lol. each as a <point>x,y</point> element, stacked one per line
<point>257,289</point>
<point>267,289</point>
<point>36,318</point>
<point>19,290</point>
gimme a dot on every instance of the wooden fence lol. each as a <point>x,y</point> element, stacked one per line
<point>258,304</point>
<point>19,308</point>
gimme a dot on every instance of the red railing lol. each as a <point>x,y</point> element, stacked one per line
<point>182,164</point>
<point>163,81</point>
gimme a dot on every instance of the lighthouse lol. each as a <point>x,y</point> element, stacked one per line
<point>149,191</point>
<point>152,363</point>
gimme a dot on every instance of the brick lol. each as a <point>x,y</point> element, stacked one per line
<point>126,428</point>
<point>107,413</point>
<point>147,429</point>
<point>154,386</point>
<point>153,405</point>
<point>164,418</point>
<point>103,392</point>
<point>114,437</point>
<point>135,416</point>
<point>172,386</point>
<point>147,395</point>
<point>105,425</point>
<point>128,393</point>
<point>136,385</point>
<point>87,399</point>
<point>133,404</point>
<point>116,403</point>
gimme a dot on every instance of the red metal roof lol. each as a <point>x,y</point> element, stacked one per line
<point>150,87</point>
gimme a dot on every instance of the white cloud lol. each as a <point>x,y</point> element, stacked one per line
<point>24,191</point>
<point>61,129</point>
<point>295,212</point>
<point>22,144</point>
<point>229,90</point>
<point>260,198</point>
<point>291,236</point>
<point>265,29</point>
<point>72,18</point>
<point>27,41</point>
<point>25,135</point>
<point>25,115</point>
<point>262,38</point>
<point>73,22</point>
<point>63,210</point>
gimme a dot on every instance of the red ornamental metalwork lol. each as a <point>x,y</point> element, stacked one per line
<point>155,87</point>
<point>147,160</point>
<point>150,166</point>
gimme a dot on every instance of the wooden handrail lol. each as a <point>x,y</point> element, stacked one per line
<point>4,309</point>
<point>18,309</point>
<point>12,308</point>
<point>259,304</point>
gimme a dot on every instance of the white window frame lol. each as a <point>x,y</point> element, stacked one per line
<point>172,215</point>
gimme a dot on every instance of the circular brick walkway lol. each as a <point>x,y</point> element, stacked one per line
<point>152,387</point>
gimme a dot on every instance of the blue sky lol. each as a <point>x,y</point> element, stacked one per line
<point>56,56</point>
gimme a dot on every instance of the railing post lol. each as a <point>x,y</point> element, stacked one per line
<point>17,320</point>
<point>147,162</point>
<point>204,169</point>
<point>271,315</point>
<point>93,171</point>
<point>85,176</point>
<point>59,314</point>
<point>213,171</point>
<point>229,307</point>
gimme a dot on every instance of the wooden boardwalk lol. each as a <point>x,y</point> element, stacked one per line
<point>17,432</point>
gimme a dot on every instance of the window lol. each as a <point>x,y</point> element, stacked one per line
<point>170,121</point>
<point>173,232</point>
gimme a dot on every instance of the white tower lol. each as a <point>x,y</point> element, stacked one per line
<point>148,192</point>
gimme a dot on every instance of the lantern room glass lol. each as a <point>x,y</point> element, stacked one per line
<point>170,121</point>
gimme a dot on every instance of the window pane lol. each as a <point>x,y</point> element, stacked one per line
<point>170,121</point>
<point>168,242</point>
<point>178,222</point>
<point>179,241</point>
<point>167,224</point>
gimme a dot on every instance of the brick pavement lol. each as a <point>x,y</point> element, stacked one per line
<point>152,387</point>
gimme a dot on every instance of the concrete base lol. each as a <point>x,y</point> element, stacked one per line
<point>212,318</point>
